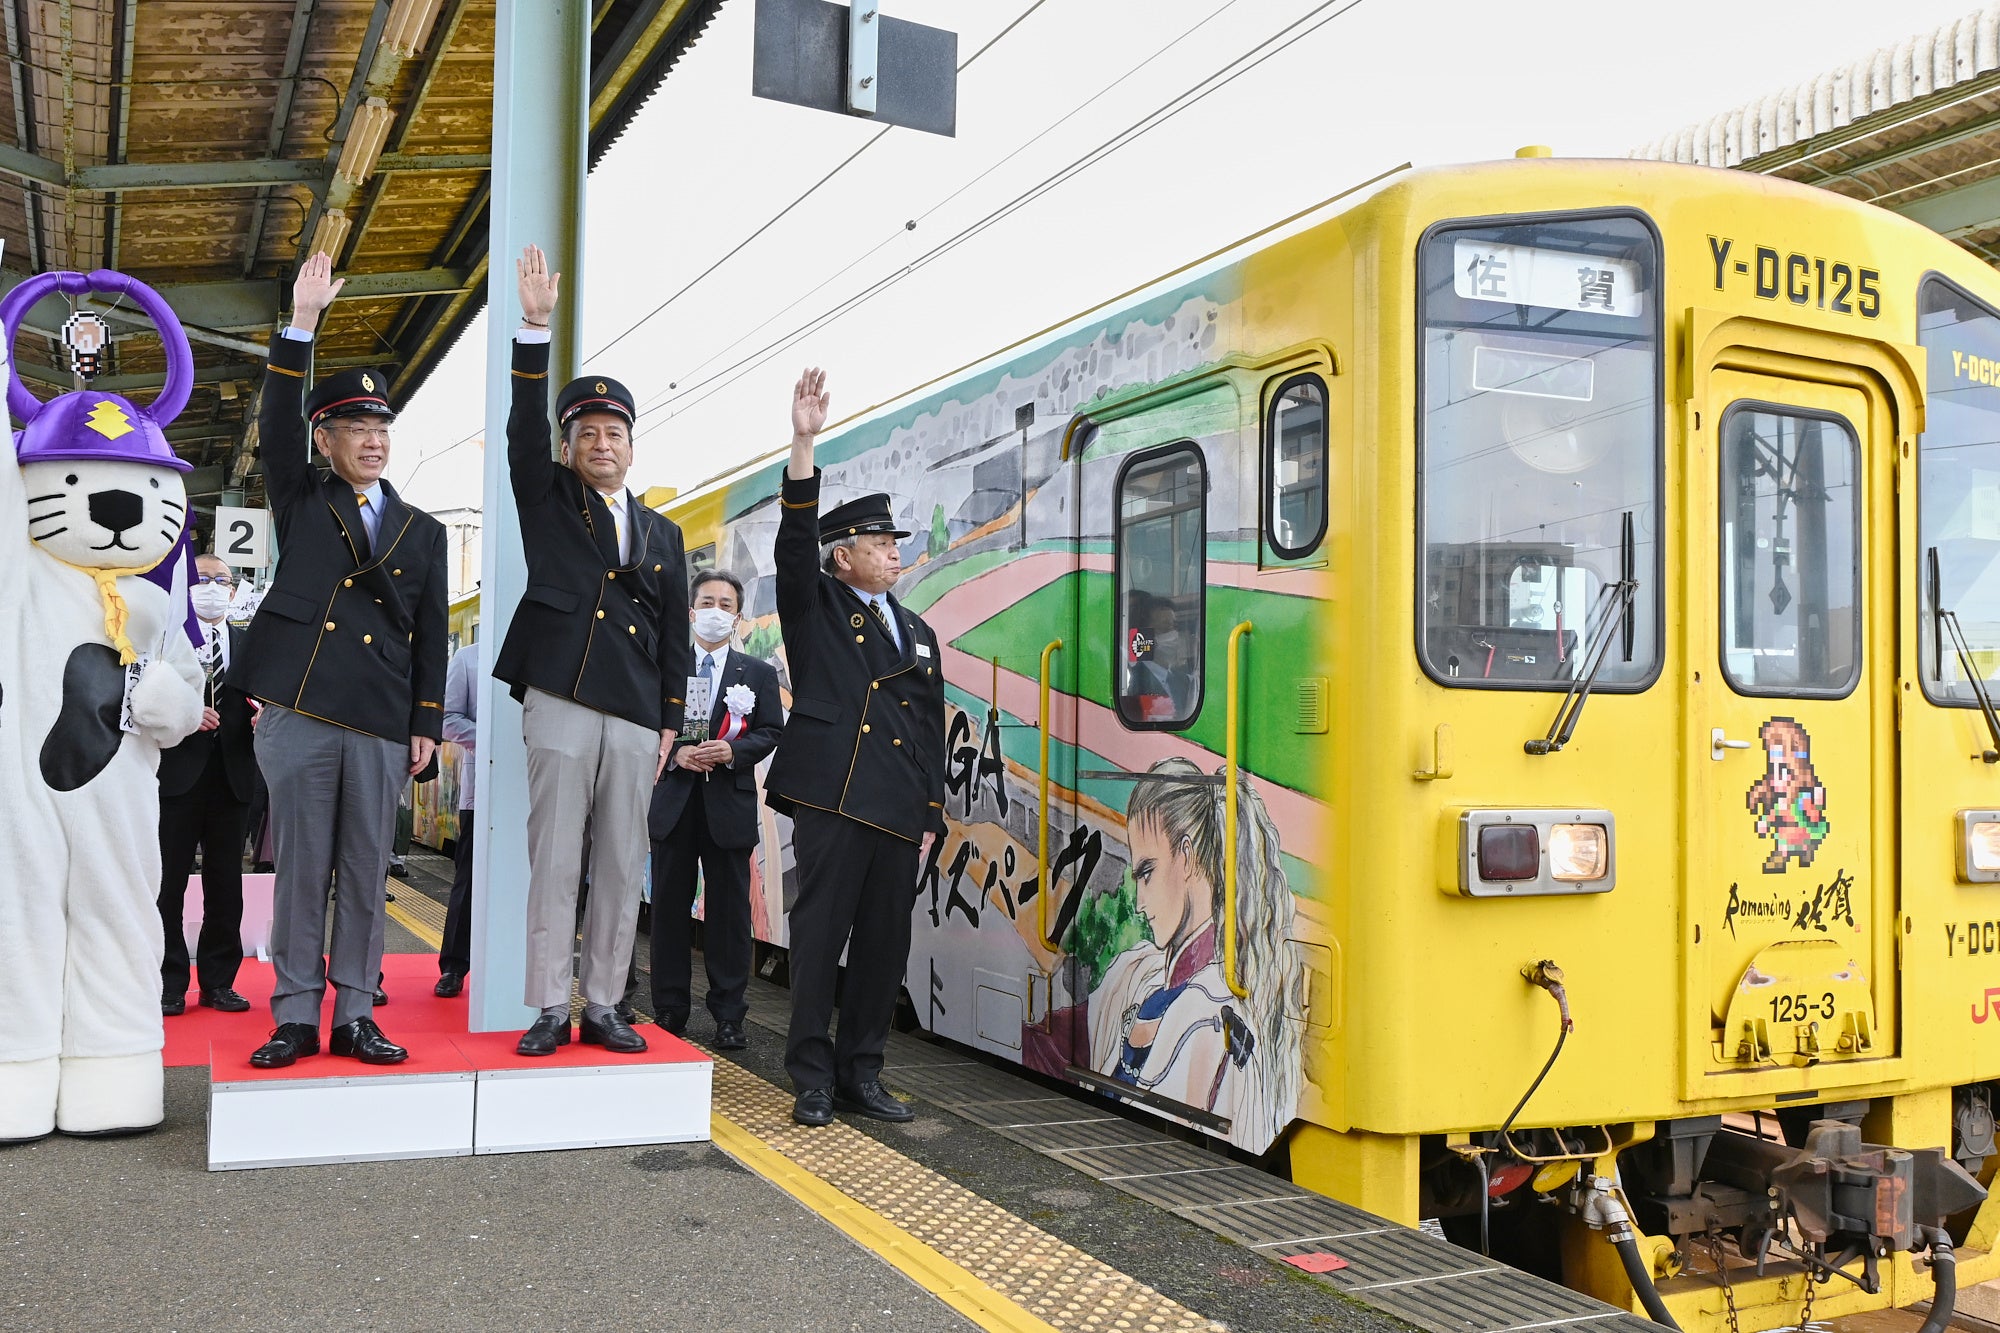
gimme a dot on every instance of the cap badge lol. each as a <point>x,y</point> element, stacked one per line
<point>368,383</point>
<point>601,388</point>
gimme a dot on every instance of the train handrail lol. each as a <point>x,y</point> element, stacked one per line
<point>1229,821</point>
<point>1042,820</point>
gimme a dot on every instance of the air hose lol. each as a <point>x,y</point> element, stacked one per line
<point>1639,1273</point>
<point>1944,1272</point>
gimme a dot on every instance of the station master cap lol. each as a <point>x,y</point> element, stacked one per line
<point>593,393</point>
<point>870,513</point>
<point>356,392</point>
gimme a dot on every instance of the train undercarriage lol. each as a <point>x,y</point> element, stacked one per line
<point>1753,1220</point>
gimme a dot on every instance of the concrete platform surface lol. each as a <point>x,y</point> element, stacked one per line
<point>136,1234</point>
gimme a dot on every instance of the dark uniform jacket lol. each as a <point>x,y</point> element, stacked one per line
<point>728,795</point>
<point>181,766</point>
<point>609,634</point>
<point>348,634</point>
<point>866,735</point>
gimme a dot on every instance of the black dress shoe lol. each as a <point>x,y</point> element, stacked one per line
<point>449,985</point>
<point>173,1003</point>
<point>729,1037</point>
<point>626,1013</point>
<point>613,1034</point>
<point>873,1101</point>
<point>288,1042</point>
<point>813,1107</point>
<point>365,1042</point>
<point>389,897</point>
<point>225,1000</point>
<point>381,997</point>
<point>548,1033</point>
<point>672,1022</point>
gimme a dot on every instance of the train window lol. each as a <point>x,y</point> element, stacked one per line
<point>1791,554</point>
<point>1295,465</point>
<point>1539,453</point>
<point>1160,557</point>
<point>1958,490</point>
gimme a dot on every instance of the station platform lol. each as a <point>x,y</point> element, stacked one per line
<point>1007,1204</point>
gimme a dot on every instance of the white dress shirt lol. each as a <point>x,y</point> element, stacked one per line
<point>888,613</point>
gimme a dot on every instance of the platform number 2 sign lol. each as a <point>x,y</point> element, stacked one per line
<point>243,537</point>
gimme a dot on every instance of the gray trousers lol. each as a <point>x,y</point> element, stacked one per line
<point>333,811</point>
<point>584,768</point>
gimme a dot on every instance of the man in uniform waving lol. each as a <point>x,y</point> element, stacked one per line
<point>598,655</point>
<point>860,771</point>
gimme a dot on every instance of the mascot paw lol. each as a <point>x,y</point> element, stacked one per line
<point>27,1099</point>
<point>116,1094</point>
<point>165,706</point>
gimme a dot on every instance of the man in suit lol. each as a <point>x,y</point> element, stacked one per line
<point>347,653</point>
<point>461,728</point>
<point>705,816</point>
<point>598,655</point>
<point>206,783</point>
<point>861,773</point>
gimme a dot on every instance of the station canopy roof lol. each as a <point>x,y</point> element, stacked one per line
<point>208,148</point>
<point>1914,128</point>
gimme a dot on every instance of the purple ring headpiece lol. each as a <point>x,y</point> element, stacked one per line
<point>87,424</point>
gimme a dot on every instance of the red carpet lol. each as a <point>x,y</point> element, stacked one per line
<point>432,1029</point>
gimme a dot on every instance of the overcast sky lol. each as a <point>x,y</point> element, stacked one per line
<point>1424,81</point>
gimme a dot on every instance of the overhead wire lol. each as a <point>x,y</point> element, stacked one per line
<point>896,235</point>
<point>811,190</point>
<point>1228,73</point>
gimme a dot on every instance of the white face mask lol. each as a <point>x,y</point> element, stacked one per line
<point>712,624</point>
<point>210,602</point>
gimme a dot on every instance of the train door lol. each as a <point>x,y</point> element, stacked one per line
<point>1164,517</point>
<point>1791,557</point>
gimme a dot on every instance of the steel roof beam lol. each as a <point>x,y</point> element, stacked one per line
<point>1958,212</point>
<point>254,304</point>
<point>139,382</point>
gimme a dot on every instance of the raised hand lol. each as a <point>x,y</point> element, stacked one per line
<point>539,287</point>
<point>313,291</point>
<point>809,407</point>
<point>809,404</point>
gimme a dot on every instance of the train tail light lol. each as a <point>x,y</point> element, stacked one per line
<point>1509,852</point>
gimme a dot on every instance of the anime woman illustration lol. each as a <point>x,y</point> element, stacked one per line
<point>1163,1017</point>
<point>1789,802</point>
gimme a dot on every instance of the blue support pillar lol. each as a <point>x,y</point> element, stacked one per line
<point>541,82</point>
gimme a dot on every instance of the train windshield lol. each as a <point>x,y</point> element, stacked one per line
<point>1540,452</point>
<point>1958,490</point>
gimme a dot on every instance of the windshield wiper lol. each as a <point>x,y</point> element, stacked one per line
<point>1947,622</point>
<point>1614,608</point>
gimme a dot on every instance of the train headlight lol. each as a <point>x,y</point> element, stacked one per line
<point>1514,853</point>
<point>1979,846</point>
<point>1579,853</point>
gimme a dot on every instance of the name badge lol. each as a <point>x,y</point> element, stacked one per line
<point>133,671</point>
<point>923,650</point>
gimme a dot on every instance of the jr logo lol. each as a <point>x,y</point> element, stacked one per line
<point>1986,1009</point>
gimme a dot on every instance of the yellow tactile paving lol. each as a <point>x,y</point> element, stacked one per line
<point>1047,1278</point>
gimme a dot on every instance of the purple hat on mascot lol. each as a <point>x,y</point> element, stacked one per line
<point>88,424</point>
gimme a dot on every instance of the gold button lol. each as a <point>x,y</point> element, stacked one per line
<point>329,624</point>
<point>897,741</point>
<point>874,684</point>
<point>860,639</point>
<point>904,702</point>
<point>610,573</point>
<point>864,728</point>
<point>656,569</point>
<point>397,572</point>
<point>347,583</point>
<point>631,629</point>
<point>368,638</point>
<point>600,615</point>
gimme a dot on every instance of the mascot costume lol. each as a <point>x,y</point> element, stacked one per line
<point>96,675</point>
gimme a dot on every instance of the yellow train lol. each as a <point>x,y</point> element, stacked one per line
<point>1530,593</point>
